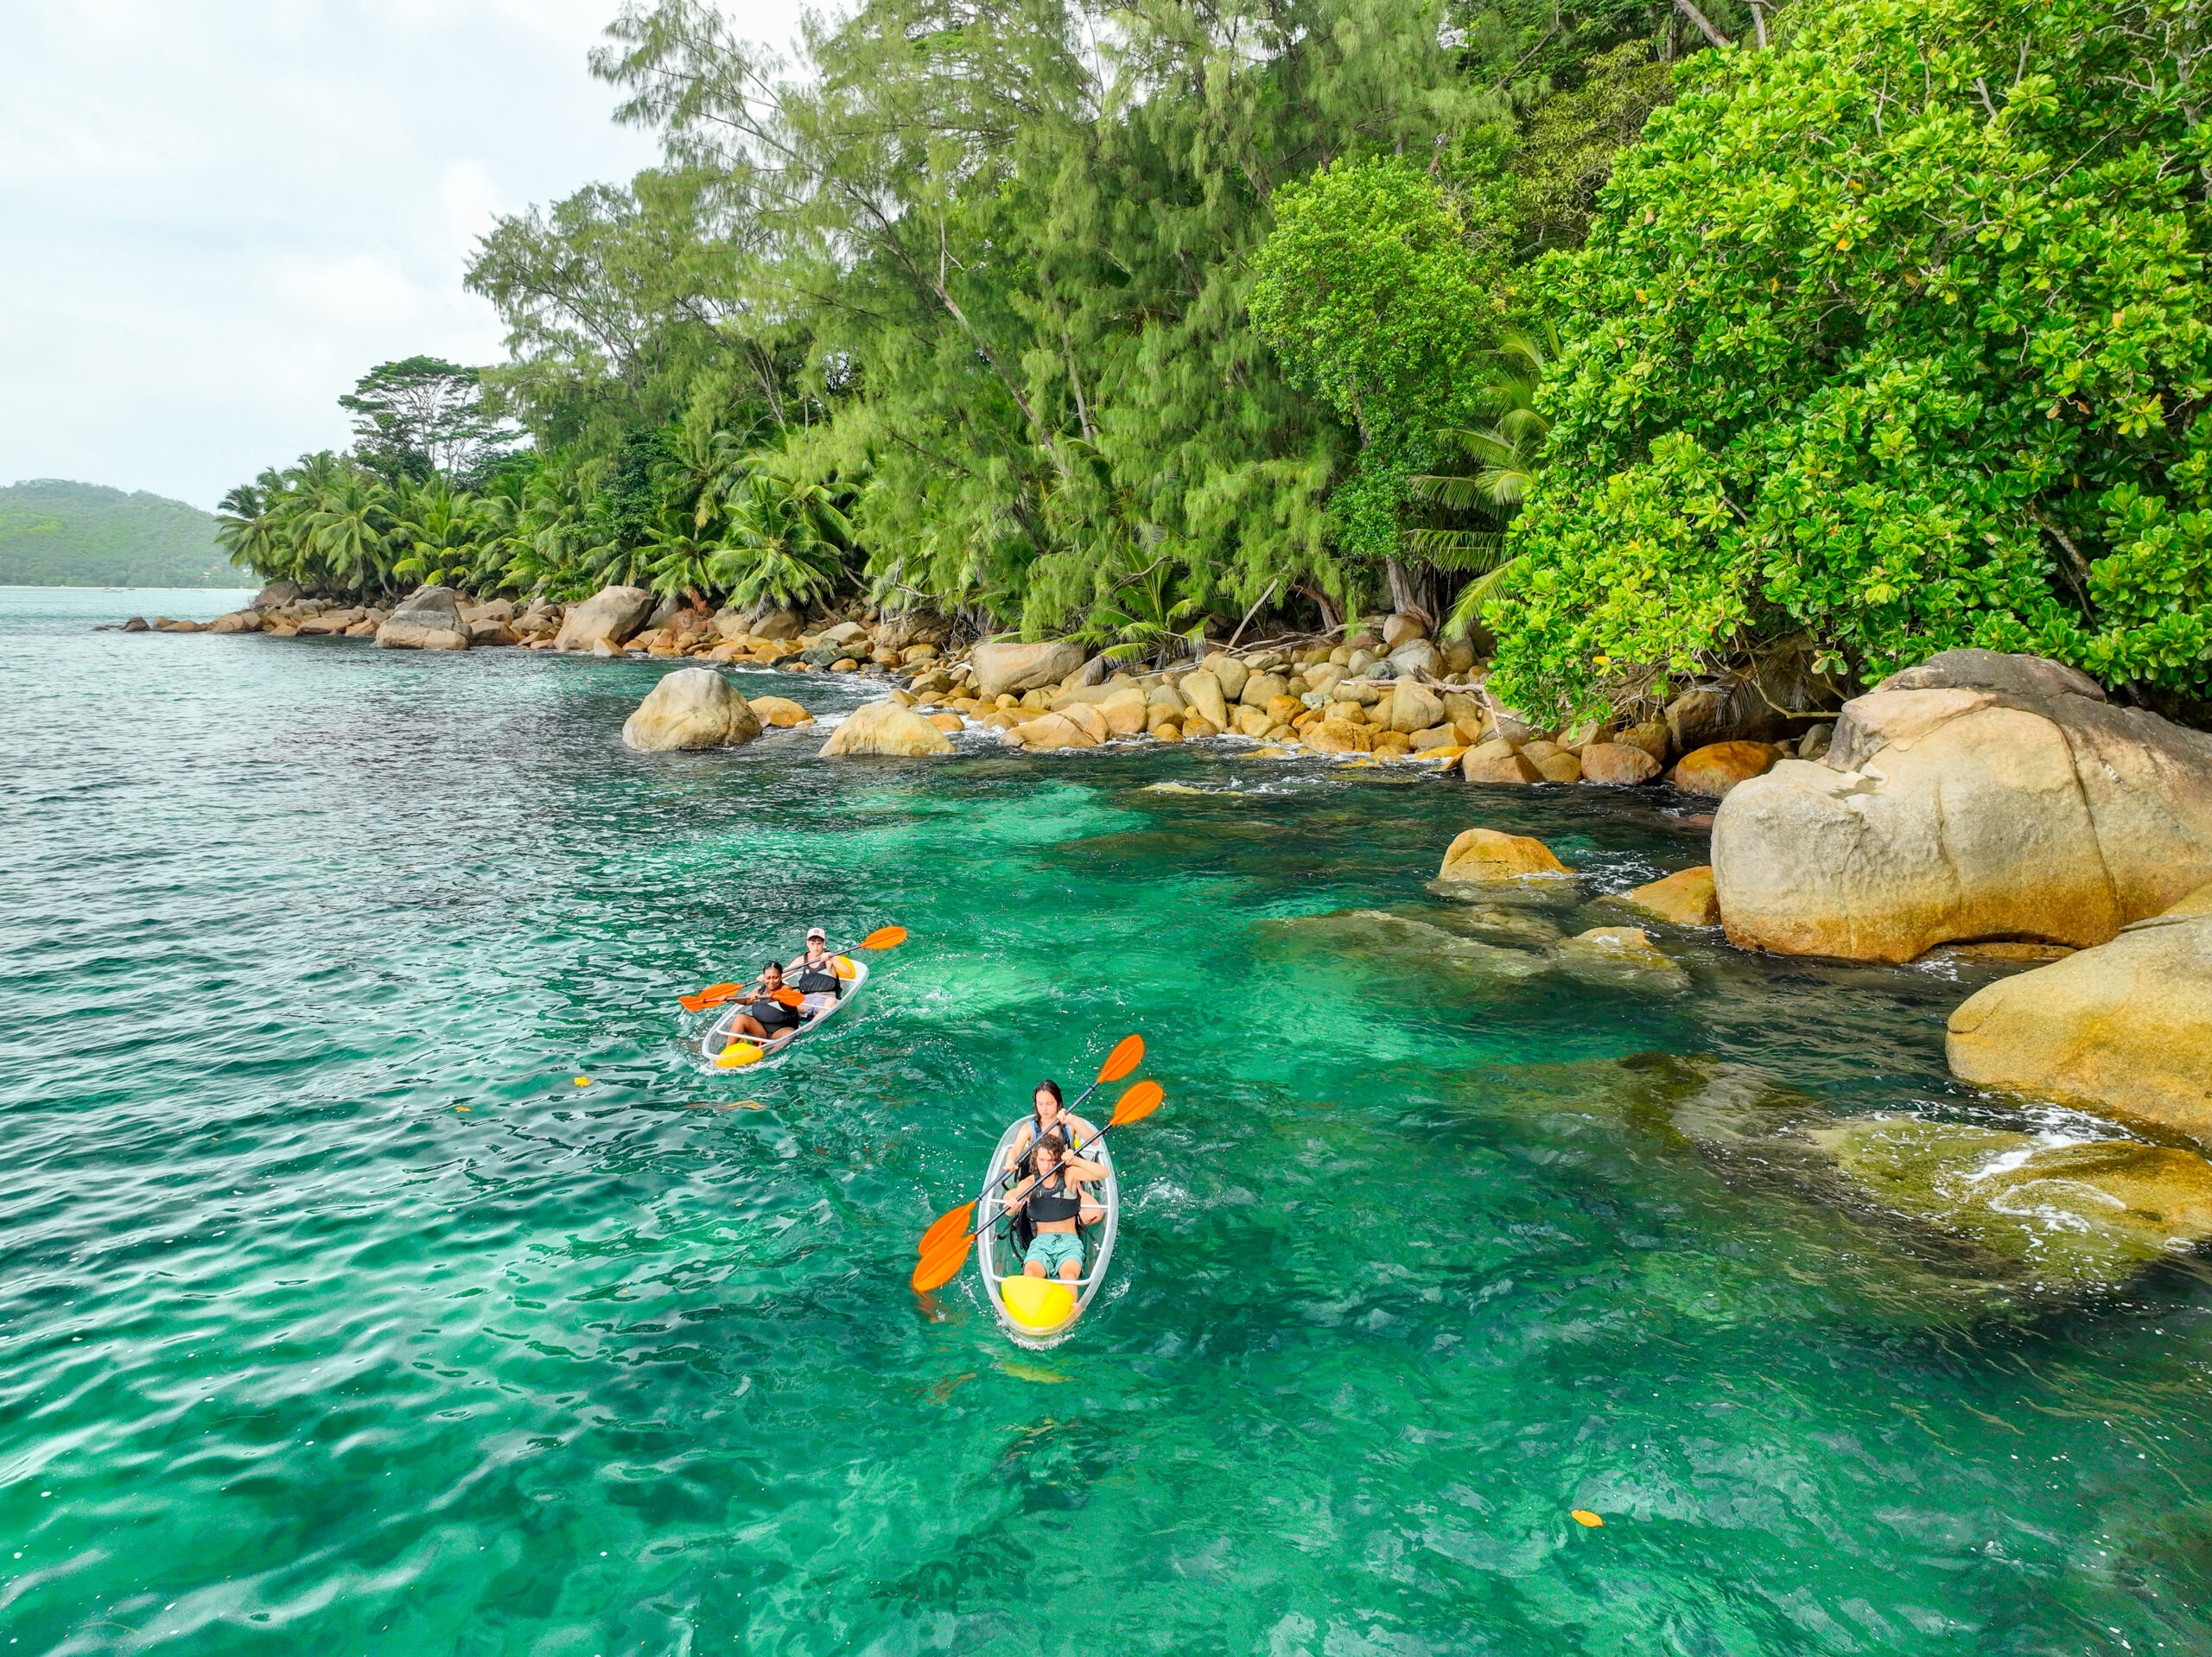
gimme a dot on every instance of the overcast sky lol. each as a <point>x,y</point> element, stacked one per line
<point>216,214</point>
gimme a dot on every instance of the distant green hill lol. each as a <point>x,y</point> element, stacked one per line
<point>58,534</point>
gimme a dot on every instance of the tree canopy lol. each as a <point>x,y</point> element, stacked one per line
<point>1653,334</point>
<point>1896,337</point>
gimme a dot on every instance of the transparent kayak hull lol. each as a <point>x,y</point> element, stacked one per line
<point>1033,1314</point>
<point>715,1043</point>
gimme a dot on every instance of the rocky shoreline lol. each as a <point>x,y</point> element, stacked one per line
<point>1379,690</point>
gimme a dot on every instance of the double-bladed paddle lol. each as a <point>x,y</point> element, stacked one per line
<point>884,937</point>
<point>941,1261</point>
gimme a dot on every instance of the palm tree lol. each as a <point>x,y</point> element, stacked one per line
<point>705,464</point>
<point>349,530</point>
<point>1505,457</point>
<point>248,525</point>
<point>683,557</point>
<point>439,528</point>
<point>785,545</point>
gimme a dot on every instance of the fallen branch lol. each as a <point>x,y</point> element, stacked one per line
<point>1254,610</point>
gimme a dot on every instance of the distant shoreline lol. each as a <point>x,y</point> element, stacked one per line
<point>114,587</point>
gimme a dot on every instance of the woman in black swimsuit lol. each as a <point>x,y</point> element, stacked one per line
<point>768,1017</point>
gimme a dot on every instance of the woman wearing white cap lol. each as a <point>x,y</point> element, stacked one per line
<point>814,975</point>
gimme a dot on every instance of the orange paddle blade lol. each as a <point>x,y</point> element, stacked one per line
<point>935,1271</point>
<point>943,1226</point>
<point>1128,1054</point>
<point>789,998</point>
<point>1136,1104</point>
<point>713,995</point>
<point>885,937</point>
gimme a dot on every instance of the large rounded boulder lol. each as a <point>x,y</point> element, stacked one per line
<point>611,616</point>
<point>1009,670</point>
<point>428,619</point>
<point>1977,795</point>
<point>886,728</point>
<point>2126,1026</point>
<point>691,708</point>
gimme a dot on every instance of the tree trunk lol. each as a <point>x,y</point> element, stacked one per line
<point>1413,592</point>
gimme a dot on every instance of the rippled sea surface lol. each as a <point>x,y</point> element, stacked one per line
<point>337,1317</point>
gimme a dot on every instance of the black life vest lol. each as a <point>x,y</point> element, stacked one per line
<point>773,1015</point>
<point>1058,1198</point>
<point>816,980</point>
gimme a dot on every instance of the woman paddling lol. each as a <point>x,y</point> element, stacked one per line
<point>1055,1201</point>
<point>768,1017</point>
<point>1047,1115</point>
<point>814,975</point>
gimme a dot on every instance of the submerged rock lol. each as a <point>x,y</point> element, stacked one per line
<point>1620,957</point>
<point>1976,795</point>
<point>2077,1216</point>
<point>2126,1026</point>
<point>2021,1213</point>
<point>885,727</point>
<point>1404,947</point>
<point>691,708</point>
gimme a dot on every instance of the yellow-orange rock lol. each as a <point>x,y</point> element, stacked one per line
<point>1618,765</point>
<point>1561,767</point>
<point>1685,897</point>
<point>1487,855</point>
<point>884,727</point>
<point>1718,767</point>
<point>780,712</point>
<point>1338,736</point>
<point>2126,1026</point>
<point>1498,761</point>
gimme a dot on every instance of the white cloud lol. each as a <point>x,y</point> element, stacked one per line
<point>217,216</point>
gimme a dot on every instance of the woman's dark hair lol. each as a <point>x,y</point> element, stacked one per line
<point>1051,1087</point>
<point>778,965</point>
<point>1053,1141</point>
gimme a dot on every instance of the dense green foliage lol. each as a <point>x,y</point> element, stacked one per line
<point>979,275</point>
<point>59,534</point>
<point>1882,328</point>
<point>739,529</point>
<point>1896,339</point>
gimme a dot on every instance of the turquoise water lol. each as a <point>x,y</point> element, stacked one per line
<point>337,1318</point>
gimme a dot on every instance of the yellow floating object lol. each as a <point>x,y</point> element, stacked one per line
<point>583,1080</point>
<point>461,1107</point>
<point>1039,1304</point>
<point>1584,1516</point>
<point>845,968</point>
<point>737,1054</point>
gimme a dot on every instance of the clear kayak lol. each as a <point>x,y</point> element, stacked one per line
<point>730,1052</point>
<point>1040,1312</point>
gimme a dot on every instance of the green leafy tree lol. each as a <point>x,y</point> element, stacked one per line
<point>424,417</point>
<point>1899,335</point>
